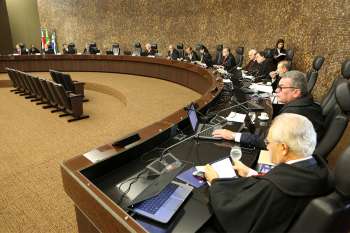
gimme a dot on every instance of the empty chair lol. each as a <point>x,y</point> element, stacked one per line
<point>289,54</point>
<point>154,47</point>
<point>54,75</point>
<point>329,100</point>
<point>218,57</point>
<point>56,100</point>
<point>180,49</point>
<point>312,74</point>
<point>239,56</point>
<point>50,99</point>
<point>72,103</point>
<point>13,79</point>
<point>43,97</point>
<point>330,213</point>
<point>336,121</point>
<point>137,49</point>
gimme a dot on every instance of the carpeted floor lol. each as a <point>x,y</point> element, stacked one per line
<point>34,142</point>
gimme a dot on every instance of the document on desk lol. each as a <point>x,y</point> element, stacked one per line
<point>261,88</point>
<point>236,117</point>
<point>222,167</point>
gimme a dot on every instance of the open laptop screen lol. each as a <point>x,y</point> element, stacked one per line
<point>193,117</point>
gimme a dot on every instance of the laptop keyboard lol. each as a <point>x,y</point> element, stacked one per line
<point>153,204</point>
<point>207,133</point>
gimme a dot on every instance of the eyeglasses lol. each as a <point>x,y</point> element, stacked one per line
<point>281,88</point>
<point>267,142</point>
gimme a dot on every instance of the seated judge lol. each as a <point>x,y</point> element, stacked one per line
<point>279,53</point>
<point>252,65</point>
<point>48,49</point>
<point>148,51</point>
<point>292,91</point>
<point>282,68</point>
<point>21,49</point>
<point>205,56</point>
<point>228,60</point>
<point>33,50</point>
<point>173,54</point>
<point>264,65</point>
<point>190,55</point>
<point>65,49</point>
<point>271,202</point>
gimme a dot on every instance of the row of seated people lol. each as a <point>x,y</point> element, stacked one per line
<point>223,57</point>
<point>293,92</point>
<point>52,94</point>
<point>300,187</point>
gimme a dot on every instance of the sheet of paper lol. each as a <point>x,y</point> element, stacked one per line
<point>261,88</point>
<point>236,117</point>
<point>223,168</point>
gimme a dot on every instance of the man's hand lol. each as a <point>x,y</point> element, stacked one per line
<point>210,173</point>
<point>242,169</point>
<point>273,74</point>
<point>224,133</point>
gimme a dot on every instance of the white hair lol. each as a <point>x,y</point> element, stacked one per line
<point>296,131</point>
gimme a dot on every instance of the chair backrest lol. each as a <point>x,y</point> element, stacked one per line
<point>289,54</point>
<point>218,57</point>
<point>39,88</point>
<point>239,56</point>
<point>67,82</point>
<point>336,121</point>
<point>329,100</point>
<point>48,94</point>
<point>312,74</point>
<point>54,76</point>
<point>62,95</point>
<point>137,49</point>
<point>330,213</point>
<point>55,95</point>
<point>180,49</point>
<point>36,91</point>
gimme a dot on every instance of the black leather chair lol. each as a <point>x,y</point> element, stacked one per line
<point>218,57</point>
<point>329,100</point>
<point>239,56</point>
<point>154,46</point>
<point>330,213</point>
<point>312,74</point>
<point>180,49</point>
<point>336,121</point>
<point>137,49</point>
<point>289,54</point>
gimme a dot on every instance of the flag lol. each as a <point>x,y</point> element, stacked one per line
<point>53,42</point>
<point>47,35</point>
<point>43,38</point>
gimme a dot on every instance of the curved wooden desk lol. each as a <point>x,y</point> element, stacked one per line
<point>95,211</point>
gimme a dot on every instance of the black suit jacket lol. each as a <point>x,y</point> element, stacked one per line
<point>148,53</point>
<point>264,69</point>
<point>174,55</point>
<point>229,62</point>
<point>194,56</point>
<point>304,106</point>
<point>206,58</point>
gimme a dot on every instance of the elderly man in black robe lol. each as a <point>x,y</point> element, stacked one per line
<point>272,202</point>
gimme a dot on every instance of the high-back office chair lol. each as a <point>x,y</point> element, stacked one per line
<point>71,48</point>
<point>330,213</point>
<point>239,56</point>
<point>312,74</point>
<point>180,49</point>
<point>218,57</point>
<point>137,49</point>
<point>336,121</point>
<point>329,100</point>
<point>289,54</point>
<point>154,47</point>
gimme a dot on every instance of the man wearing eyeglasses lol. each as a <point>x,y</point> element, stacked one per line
<point>270,203</point>
<point>292,91</point>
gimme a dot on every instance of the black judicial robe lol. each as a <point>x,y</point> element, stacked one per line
<point>269,203</point>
